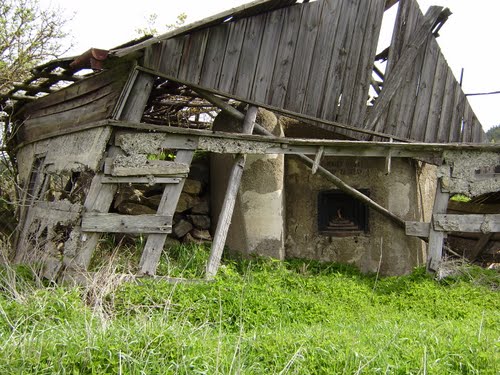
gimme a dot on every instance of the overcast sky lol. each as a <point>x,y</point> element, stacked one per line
<point>468,39</point>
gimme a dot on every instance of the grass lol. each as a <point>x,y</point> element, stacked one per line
<point>257,317</point>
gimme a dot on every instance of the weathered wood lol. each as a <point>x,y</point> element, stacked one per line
<point>302,60</point>
<point>447,112</point>
<point>155,242</point>
<point>417,229</point>
<point>283,63</point>
<point>437,97</point>
<point>435,251</point>
<point>99,199</point>
<point>358,38</point>
<point>100,196</point>
<point>113,223</point>
<point>171,55</point>
<point>192,56</point>
<point>129,166</point>
<point>232,55</point>
<point>229,200</point>
<point>267,56</point>
<point>457,116</point>
<point>406,61</point>
<point>150,180</point>
<point>249,55</point>
<point>424,90</point>
<point>214,56</point>
<point>317,159</point>
<point>322,56</point>
<point>361,86</point>
<point>466,135</point>
<point>335,78</point>
<point>475,223</point>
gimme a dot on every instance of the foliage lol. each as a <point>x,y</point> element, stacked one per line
<point>258,317</point>
<point>493,134</point>
<point>152,20</point>
<point>460,198</point>
<point>28,36</point>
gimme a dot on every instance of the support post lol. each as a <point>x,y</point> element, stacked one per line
<point>229,200</point>
<point>435,252</point>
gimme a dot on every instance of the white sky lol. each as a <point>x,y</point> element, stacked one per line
<point>469,39</point>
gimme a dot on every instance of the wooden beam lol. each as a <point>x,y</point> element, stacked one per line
<point>404,64</point>
<point>435,251</point>
<point>466,223</point>
<point>417,229</point>
<point>229,200</point>
<point>114,223</point>
<point>155,242</point>
<point>149,180</point>
<point>480,246</point>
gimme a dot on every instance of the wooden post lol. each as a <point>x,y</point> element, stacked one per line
<point>229,200</point>
<point>435,251</point>
<point>155,242</point>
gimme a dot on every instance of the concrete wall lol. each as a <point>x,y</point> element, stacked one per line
<point>257,225</point>
<point>385,245</point>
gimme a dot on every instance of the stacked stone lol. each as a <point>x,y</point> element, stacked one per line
<point>191,222</point>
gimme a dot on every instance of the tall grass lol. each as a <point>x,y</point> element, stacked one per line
<point>259,316</point>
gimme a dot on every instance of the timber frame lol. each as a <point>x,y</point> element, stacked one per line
<point>212,64</point>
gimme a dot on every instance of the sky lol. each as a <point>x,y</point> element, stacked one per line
<point>468,39</point>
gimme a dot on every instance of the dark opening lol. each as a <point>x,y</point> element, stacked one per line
<point>340,215</point>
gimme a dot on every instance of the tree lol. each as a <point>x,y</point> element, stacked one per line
<point>150,28</point>
<point>28,36</point>
<point>493,134</point>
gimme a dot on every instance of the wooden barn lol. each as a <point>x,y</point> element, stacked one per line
<point>353,152</point>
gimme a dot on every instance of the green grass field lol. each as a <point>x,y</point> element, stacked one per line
<point>257,317</point>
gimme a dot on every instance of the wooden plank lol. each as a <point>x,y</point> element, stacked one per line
<point>466,135</point>
<point>417,229</point>
<point>229,200</point>
<point>99,199</point>
<point>457,116</point>
<point>214,55</point>
<point>283,63</point>
<point>477,131</point>
<point>474,223</point>
<point>96,111</point>
<point>445,120</point>
<point>249,56</point>
<point>149,168</point>
<point>337,66</point>
<point>402,107</point>
<point>192,56</point>
<point>361,85</point>
<point>80,88</point>
<point>150,180</point>
<point>232,55</point>
<point>114,223</point>
<point>267,55</point>
<point>171,56</point>
<point>155,242</point>
<point>404,64</point>
<point>302,59</point>
<point>435,250</point>
<point>353,61</point>
<point>437,97</point>
<point>137,98</point>
<point>424,91</point>
<point>322,55</point>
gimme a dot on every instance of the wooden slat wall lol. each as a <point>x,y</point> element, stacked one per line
<point>89,100</point>
<point>430,106</point>
<point>306,58</point>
